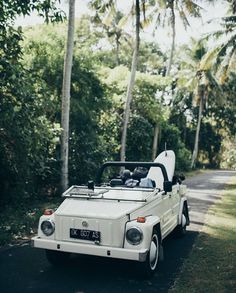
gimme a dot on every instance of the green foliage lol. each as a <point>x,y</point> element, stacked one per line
<point>228,153</point>
<point>146,109</point>
<point>145,102</point>
<point>10,9</point>
<point>87,104</point>
<point>88,101</point>
<point>27,137</point>
<point>170,135</point>
<point>139,139</point>
<point>210,145</point>
<point>224,114</point>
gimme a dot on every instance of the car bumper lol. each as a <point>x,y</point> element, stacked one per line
<point>80,248</point>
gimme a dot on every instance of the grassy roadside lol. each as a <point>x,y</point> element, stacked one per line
<point>211,266</point>
<point>18,223</point>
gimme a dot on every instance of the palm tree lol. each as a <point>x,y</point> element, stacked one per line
<point>108,8</point>
<point>225,51</point>
<point>65,110</point>
<point>184,8</point>
<point>197,77</point>
<point>131,82</point>
<point>113,21</point>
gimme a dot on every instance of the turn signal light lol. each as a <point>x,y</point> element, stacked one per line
<point>141,219</point>
<point>48,212</point>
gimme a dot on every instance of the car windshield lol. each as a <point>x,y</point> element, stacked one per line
<point>129,174</point>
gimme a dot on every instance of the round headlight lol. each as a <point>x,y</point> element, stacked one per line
<point>48,227</point>
<point>134,236</point>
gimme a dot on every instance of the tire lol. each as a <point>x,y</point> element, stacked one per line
<point>57,258</point>
<point>149,267</point>
<point>181,230</point>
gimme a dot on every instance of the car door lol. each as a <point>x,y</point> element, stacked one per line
<point>174,201</point>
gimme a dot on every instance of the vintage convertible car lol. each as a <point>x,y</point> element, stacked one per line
<point>127,217</point>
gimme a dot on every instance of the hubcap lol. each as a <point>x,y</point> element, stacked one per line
<point>153,253</point>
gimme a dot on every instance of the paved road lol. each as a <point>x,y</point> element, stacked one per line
<point>23,269</point>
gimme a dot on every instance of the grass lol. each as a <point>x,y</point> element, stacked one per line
<point>211,266</point>
<point>19,223</point>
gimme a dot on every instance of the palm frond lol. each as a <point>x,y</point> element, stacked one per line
<point>215,34</point>
<point>192,8</point>
<point>110,16</point>
<point>124,20</point>
<point>208,59</point>
<point>223,71</point>
<point>227,44</point>
<point>182,16</point>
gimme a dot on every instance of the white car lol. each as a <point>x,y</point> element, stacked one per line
<point>126,218</point>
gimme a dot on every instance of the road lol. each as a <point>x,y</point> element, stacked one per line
<point>24,269</point>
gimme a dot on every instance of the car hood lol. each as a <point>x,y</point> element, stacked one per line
<point>96,208</point>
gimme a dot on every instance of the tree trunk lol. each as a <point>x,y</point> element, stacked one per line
<point>131,85</point>
<point>65,110</point>
<point>173,37</point>
<point>117,49</point>
<point>170,62</point>
<point>155,142</point>
<point>196,143</point>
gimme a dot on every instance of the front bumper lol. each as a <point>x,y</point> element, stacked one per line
<point>80,248</point>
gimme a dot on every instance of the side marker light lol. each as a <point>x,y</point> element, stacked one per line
<point>48,212</point>
<point>141,219</point>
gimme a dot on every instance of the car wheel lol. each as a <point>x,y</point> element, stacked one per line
<point>57,257</point>
<point>149,267</point>
<point>181,228</point>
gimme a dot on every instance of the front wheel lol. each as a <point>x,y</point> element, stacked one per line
<point>57,258</point>
<point>180,230</point>
<point>150,265</point>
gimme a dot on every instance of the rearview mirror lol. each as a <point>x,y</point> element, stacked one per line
<point>167,186</point>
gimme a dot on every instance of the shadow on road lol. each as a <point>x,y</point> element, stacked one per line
<point>91,274</point>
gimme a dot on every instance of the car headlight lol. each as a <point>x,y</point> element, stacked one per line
<point>134,236</point>
<point>48,227</point>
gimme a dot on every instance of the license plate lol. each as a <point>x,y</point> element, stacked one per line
<point>85,234</point>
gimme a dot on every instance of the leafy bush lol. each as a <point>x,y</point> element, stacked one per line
<point>139,139</point>
<point>171,136</point>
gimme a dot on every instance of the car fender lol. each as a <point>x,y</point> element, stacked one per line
<point>183,203</point>
<point>147,230</point>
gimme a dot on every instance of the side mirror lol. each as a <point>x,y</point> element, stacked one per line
<point>182,177</point>
<point>167,186</point>
<point>91,185</point>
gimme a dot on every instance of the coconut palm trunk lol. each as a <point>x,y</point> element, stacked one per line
<point>155,141</point>
<point>131,83</point>
<point>196,143</point>
<point>117,49</point>
<point>170,62</point>
<point>65,109</point>
<point>173,28</point>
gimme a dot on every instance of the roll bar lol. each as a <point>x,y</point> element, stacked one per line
<point>131,164</point>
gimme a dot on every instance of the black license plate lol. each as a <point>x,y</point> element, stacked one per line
<point>85,234</point>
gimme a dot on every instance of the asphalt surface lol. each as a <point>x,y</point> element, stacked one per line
<point>24,269</point>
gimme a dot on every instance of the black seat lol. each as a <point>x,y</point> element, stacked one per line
<point>116,182</point>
